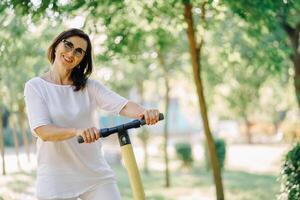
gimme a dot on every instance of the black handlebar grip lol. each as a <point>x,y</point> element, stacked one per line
<point>161,117</point>
<point>80,139</point>
<point>142,122</point>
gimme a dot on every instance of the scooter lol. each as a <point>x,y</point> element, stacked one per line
<point>127,153</point>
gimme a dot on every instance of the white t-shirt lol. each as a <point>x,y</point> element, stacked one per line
<point>66,168</point>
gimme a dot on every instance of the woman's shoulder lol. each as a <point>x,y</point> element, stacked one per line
<point>94,83</point>
<point>95,86</point>
<point>34,82</point>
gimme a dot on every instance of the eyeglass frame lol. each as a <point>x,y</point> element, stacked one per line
<point>71,48</point>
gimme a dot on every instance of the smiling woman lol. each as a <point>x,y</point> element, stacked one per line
<point>73,49</point>
<point>62,105</point>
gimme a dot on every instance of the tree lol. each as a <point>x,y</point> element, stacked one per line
<point>129,37</point>
<point>195,51</point>
<point>146,42</point>
<point>244,71</point>
<point>279,19</point>
<point>2,148</point>
<point>18,63</point>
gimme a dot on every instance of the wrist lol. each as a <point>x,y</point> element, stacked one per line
<point>142,112</point>
<point>76,132</point>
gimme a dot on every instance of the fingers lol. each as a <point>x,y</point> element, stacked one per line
<point>147,117</point>
<point>96,132</point>
<point>151,116</point>
<point>90,135</point>
<point>84,135</point>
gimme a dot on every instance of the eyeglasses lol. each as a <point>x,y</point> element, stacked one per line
<point>69,46</point>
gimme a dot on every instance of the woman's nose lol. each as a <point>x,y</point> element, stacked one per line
<point>70,53</point>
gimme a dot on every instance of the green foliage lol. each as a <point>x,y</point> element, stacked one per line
<point>266,12</point>
<point>278,22</point>
<point>184,153</point>
<point>290,175</point>
<point>235,64</point>
<point>247,62</point>
<point>221,153</point>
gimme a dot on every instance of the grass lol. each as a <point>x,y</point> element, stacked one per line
<point>14,186</point>
<point>21,181</point>
<point>240,181</point>
<point>185,185</point>
<point>198,183</point>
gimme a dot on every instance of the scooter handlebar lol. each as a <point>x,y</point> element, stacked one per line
<point>104,132</point>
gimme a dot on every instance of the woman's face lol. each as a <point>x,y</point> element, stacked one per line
<point>70,51</point>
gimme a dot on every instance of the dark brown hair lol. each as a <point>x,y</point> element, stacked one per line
<point>83,70</point>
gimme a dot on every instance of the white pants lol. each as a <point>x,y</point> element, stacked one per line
<point>102,192</point>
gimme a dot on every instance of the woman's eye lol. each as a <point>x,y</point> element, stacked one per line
<point>79,52</point>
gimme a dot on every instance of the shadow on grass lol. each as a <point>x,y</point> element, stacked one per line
<point>249,185</point>
<point>21,181</point>
<point>243,185</point>
<point>238,185</point>
<point>151,182</point>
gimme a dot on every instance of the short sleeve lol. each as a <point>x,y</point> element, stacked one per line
<point>107,99</point>
<point>36,108</point>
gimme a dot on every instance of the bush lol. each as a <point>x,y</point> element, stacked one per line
<point>184,152</point>
<point>290,175</point>
<point>221,153</point>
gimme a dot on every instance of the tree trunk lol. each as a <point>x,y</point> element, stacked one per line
<point>144,134</point>
<point>13,127</point>
<point>196,61</point>
<point>22,122</point>
<point>166,134</point>
<point>293,34</point>
<point>296,61</point>
<point>248,131</point>
<point>276,127</point>
<point>166,131</point>
<point>2,147</point>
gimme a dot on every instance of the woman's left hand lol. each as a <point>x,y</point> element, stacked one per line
<point>151,116</point>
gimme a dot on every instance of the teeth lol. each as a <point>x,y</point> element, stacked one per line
<point>68,60</point>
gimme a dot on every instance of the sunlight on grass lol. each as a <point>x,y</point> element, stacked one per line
<point>198,184</point>
<point>186,184</point>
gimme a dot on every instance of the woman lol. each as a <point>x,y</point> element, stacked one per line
<point>61,105</point>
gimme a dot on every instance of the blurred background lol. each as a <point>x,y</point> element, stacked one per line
<point>225,73</point>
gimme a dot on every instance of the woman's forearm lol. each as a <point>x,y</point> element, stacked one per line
<point>54,133</point>
<point>132,110</point>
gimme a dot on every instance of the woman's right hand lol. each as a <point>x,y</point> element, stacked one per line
<point>89,135</point>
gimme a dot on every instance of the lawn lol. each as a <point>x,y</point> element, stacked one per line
<point>197,184</point>
<point>241,181</point>
<point>188,185</point>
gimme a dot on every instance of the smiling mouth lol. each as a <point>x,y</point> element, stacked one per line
<point>67,60</point>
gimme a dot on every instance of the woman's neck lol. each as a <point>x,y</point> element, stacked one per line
<point>59,75</point>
